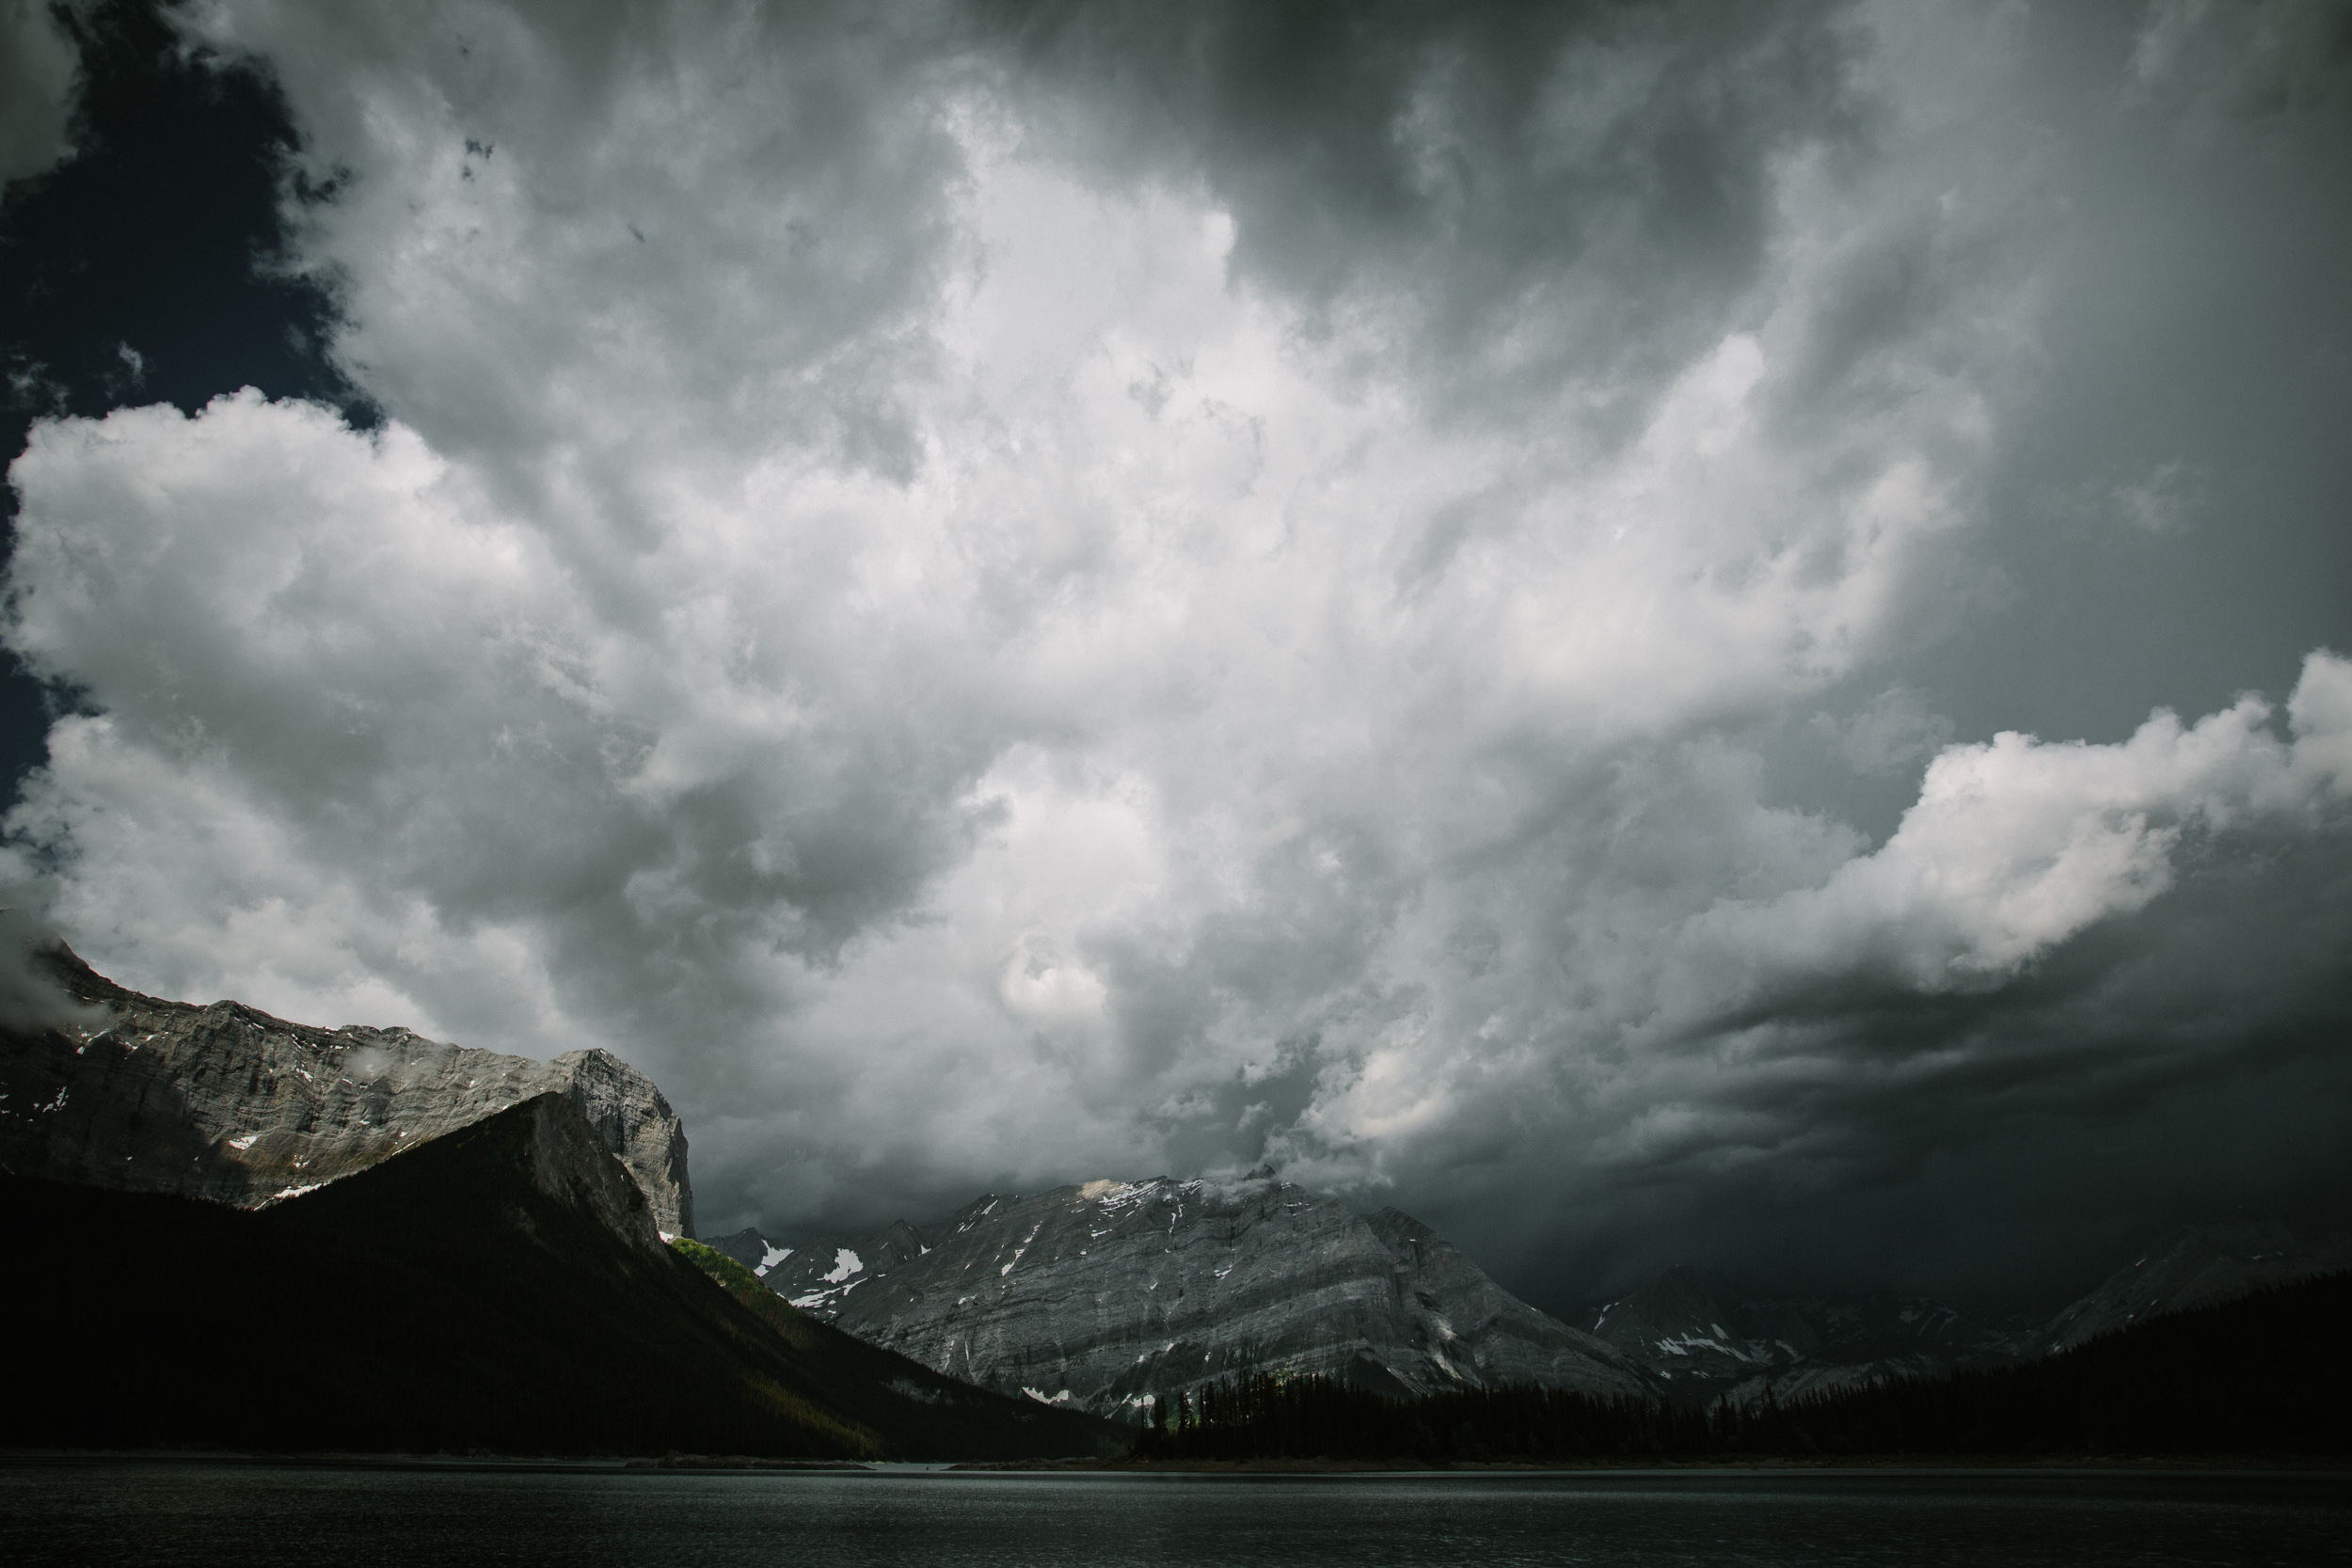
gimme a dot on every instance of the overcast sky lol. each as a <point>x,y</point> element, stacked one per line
<point>1658,633</point>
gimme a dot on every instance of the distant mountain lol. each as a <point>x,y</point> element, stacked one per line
<point>818,1274</point>
<point>1678,1328</point>
<point>2265,1373</point>
<point>226,1103</point>
<point>1675,1327</point>
<point>2194,1266</point>
<point>2267,1376</point>
<point>500,1288</point>
<point>1834,1343</point>
<point>1098,1295</point>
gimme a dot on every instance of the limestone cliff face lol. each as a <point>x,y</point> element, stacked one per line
<point>1099,1295</point>
<point>226,1103</point>
<point>568,1162</point>
<point>636,1123</point>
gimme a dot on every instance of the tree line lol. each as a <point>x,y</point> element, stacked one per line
<point>2267,1373</point>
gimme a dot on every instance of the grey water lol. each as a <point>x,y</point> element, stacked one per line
<point>139,1513</point>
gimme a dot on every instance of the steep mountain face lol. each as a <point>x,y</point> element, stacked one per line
<point>504,1286</point>
<point>2195,1266</point>
<point>1098,1295</point>
<point>227,1102</point>
<point>1501,1339</point>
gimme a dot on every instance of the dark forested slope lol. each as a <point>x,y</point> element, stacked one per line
<point>874,1386</point>
<point>2270,1373</point>
<point>501,1287</point>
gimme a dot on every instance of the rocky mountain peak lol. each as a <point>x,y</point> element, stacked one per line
<point>222,1101</point>
<point>636,1122</point>
<point>1103,1293</point>
<point>571,1161</point>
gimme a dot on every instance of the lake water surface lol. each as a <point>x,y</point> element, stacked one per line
<point>180,1513</point>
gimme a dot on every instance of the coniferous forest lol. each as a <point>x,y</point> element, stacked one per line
<point>2267,1375</point>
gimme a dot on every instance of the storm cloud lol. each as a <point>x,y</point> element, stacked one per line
<point>1658,633</point>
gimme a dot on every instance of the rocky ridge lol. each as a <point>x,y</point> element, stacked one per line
<point>226,1103</point>
<point>1099,1295</point>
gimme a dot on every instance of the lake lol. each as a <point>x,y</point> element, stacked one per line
<point>133,1513</point>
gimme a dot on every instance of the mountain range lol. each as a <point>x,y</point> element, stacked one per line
<point>376,1240</point>
<point>1103,1295</point>
<point>1705,1342</point>
<point>501,1287</point>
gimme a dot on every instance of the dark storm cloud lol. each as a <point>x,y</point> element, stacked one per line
<point>36,62</point>
<point>1980,1128</point>
<point>1016,593</point>
<point>2164,506</point>
<point>1578,191</point>
<point>2003,1147</point>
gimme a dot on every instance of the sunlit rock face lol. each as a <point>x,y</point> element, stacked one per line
<point>1101,1294</point>
<point>226,1103</point>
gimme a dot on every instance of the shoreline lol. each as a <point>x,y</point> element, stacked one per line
<point>1943,1463</point>
<point>673,1464</point>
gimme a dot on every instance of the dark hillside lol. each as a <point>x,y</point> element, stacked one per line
<point>500,1289</point>
<point>874,1385</point>
<point>2271,1372</point>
